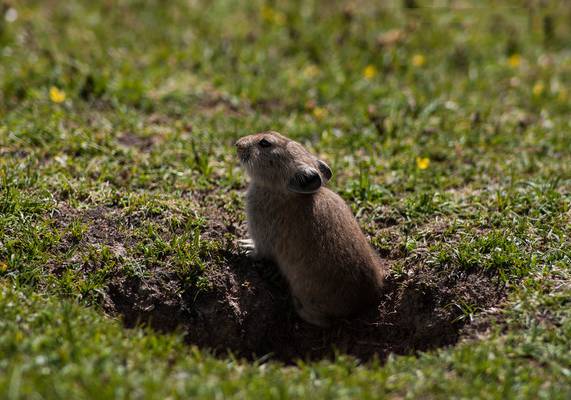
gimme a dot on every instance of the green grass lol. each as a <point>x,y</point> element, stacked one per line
<point>134,173</point>
<point>62,350</point>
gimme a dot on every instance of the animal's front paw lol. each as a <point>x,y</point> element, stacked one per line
<point>248,247</point>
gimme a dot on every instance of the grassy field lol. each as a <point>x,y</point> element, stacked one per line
<point>121,197</point>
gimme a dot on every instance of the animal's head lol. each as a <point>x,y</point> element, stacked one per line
<point>274,161</point>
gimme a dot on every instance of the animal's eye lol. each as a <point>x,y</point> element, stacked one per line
<point>264,143</point>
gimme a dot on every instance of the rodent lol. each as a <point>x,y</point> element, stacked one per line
<point>308,230</point>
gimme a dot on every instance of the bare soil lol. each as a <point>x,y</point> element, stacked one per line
<point>246,308</point>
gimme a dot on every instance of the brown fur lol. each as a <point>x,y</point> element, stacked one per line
<point>318,245</point>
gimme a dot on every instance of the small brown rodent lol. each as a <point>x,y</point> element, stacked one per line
<point>307,229</point>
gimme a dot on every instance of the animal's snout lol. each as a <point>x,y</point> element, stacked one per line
<point>241,144</point>
<point>242,149</point>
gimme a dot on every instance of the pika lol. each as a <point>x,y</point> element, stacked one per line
<point>308,230</point>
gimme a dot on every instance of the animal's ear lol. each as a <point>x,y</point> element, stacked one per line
<point>325,170</point>
<point>306,180</point>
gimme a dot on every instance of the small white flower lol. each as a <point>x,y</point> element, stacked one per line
<point>450,105</point>
<point>11,15</point>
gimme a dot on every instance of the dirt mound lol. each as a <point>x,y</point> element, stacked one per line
<point>248,312</point>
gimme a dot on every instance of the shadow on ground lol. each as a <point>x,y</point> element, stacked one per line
<point>246,307</point>
<point>247,311</point>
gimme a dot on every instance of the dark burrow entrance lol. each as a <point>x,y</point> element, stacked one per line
<point>245,308</point>
<point>247,311</point>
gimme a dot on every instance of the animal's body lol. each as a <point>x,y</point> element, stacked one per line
<point>308,230</point>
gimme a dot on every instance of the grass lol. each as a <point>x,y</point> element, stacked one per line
<point>59,349</point>
<point>127,168</point>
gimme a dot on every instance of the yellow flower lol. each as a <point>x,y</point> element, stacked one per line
<point>514,60</point>
<point>319,113</point>
<point>3,266</point>
<point>538,88</point>
<point>563,95</point>
<point>418,60</point>
<point>422,162</point>
<point>311,71</point>
<point>56,95</point>
<point>272,15</point>
<point>370,72</point>
<point>267,13</point>
<point>279,18</point>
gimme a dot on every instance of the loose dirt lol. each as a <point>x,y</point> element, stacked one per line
<point>246,309</point>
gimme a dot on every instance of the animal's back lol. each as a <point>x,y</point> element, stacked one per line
<point>319,247</point>
<point>307,230</point>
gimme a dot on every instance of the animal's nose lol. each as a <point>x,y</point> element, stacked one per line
<point>240,144</point>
